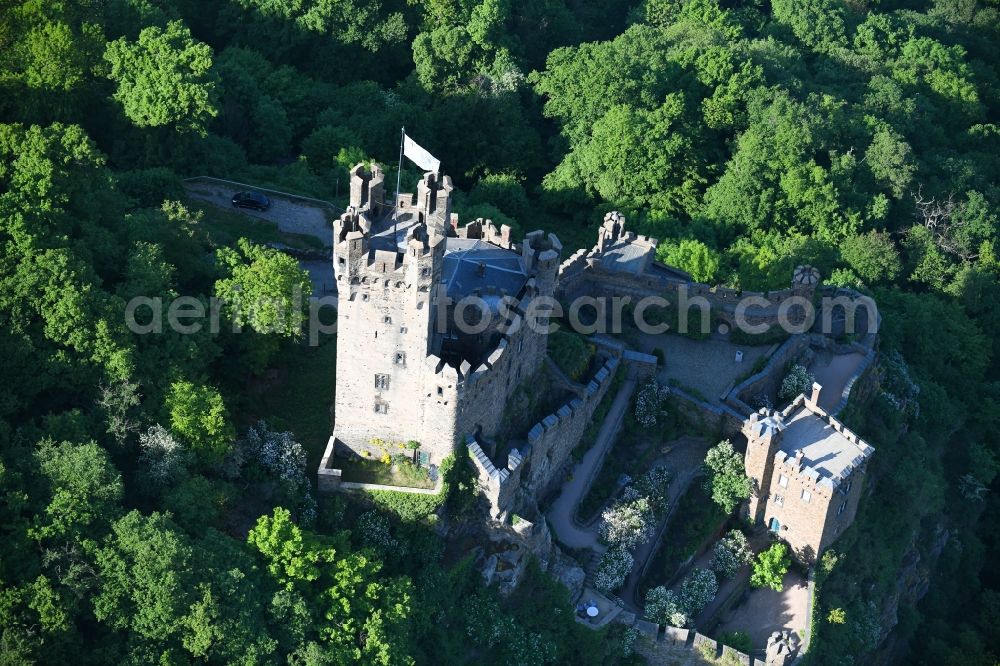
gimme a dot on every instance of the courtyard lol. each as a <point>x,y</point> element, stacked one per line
<point>763,611</point>
<point>703,368</point>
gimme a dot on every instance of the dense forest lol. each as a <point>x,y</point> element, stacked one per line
<point>147,515</point>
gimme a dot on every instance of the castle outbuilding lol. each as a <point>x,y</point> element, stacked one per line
<point>807,471</point>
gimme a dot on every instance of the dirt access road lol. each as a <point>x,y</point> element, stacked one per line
<point>292,214</point>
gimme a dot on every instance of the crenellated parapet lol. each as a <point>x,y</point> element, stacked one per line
<point>541,459</point>
<point>484,229</point>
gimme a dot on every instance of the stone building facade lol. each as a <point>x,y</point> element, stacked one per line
<point>807,471</point>
<point>406,275</point>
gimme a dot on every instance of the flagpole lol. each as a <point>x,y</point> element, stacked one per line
<point>399,173</point>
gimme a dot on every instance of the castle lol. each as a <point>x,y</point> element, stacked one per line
<point>434,340</point>
<point>807,471</point>
<point>430,320</point>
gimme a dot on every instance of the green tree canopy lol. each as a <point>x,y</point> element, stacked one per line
<point>727,482</point>
<point>199,418</point>
<point>770,567</point>
<point>164,78</point>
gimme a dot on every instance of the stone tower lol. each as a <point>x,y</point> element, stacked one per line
<point>406,371</point>
<point>763,433</point>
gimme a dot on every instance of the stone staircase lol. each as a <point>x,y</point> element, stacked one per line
<point>591,568</point>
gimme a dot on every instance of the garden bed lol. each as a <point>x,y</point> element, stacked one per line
<point>696,521</point>
<point>633,452</point>
<point>397,473</point>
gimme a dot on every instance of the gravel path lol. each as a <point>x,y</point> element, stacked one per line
<point>560,515</point>
<point>832,373</point>
<point>294,216</point>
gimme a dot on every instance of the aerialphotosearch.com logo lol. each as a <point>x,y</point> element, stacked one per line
<point>313,317</point>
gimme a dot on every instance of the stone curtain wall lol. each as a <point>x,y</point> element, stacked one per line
<point>583,275</point>
<point>548,448</point>
<point>768,381</point>
<point>683,646</point>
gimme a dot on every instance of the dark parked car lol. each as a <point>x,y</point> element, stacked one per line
<point>254,200</point>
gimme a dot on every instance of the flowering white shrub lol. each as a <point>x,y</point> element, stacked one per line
<point>629,494</point>
<point>485,624</point>
<point>664,607</point>
<point>649,403</point>
<point>613,569</point>
<point>276,452</point>
<point>373,531</point>
<point>528,648</point>
<point>627,524</point>
<point>627,641</point>
<point>798,380</point>
<point>279,456</point>
<point>161,455</point>
<point>653,486</point>
<point>730,553</point>
<point>698,590</point>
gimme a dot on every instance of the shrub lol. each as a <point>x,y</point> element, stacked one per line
<point>730,553</point>
<point>797,381</point>
<point>738,640</point>
<point>627,524</point>
<point>653,485</point>
<point>613,569</point>
<point>727,482</point>
<point>649,403</point>
<point>664,607</point>
<point>571,352</point>
<point>372,530</point>
<point>698,590</point>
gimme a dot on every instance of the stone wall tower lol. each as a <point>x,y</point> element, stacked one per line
<point>763,433</point>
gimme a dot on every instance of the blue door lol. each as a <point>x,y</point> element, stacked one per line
<point>774,526</point>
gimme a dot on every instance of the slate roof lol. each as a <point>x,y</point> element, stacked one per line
<point>471,264</point>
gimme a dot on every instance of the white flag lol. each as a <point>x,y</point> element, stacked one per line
<point>420,157</point>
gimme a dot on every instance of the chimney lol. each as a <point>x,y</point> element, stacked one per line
<point>814,398</point>
<point>798,459</point>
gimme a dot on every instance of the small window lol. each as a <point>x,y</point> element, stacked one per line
<point>400,358</point>
<point>387,319</point>
<point>364,297</point>
<point>782,480</point>
<point>440,390</point>
<point>425,271</point>
<point>402,330</point>
<point>779,500</point>
<point>381,408</point>
<point>806,496</point>
<point>842,508</point>
<point>343,261</point>
<point>382,382</point>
